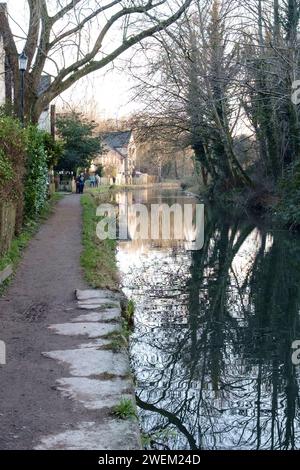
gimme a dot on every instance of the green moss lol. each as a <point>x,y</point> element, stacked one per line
<point>287,209</point>
<point>6,168</point>
<point>118,343</point>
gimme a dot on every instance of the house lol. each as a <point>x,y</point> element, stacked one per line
<point>46,118</point>
<point>118,157</point>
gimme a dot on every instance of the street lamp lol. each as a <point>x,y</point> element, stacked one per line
<point>23,62</point>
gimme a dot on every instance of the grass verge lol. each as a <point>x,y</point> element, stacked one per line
<point>19,243</point>
<point>98,258</point>
<point>168,184</point>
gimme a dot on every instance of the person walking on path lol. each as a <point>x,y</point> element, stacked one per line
<point>77,185</point>
<point>98,180</point>
<point>93,181</point>
<point>80,182</point>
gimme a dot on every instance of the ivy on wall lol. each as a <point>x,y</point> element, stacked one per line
<point>25,157</point>
<point>12,165</point>
<point>12,159</point>
<point>36,180</point>
<point>6,169</point>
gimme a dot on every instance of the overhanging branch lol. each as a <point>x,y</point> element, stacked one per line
<point>58,86</point>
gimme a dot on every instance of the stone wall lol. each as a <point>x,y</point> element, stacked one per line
<point>7,225</point>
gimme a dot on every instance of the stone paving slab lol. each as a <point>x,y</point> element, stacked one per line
<point>95,394</point>
<point>93,304</point>
<point>111,434</point>
<point>111,314</point>
<point>96,344</point>
<point>87,362</point>
<point>92,330</point>
<point>102,301</point>
<point>100,378</point>
<point>96,294</point>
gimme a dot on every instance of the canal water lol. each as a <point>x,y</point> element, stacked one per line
<point>211,350</point>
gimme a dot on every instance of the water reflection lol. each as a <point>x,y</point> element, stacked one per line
<point>212,344</point>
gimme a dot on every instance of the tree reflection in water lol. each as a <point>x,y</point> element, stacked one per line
<point>211,349</point>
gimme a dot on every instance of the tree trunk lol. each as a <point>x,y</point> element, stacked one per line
<point>276,23</point>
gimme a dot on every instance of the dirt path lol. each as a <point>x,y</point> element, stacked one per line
<point>42,294</point>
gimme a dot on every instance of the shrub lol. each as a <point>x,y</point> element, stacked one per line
<point>6,169</point>
<point>36,181</point>
<point>12,164</point>
<point>24,169</point>
<point>54,149</point>
<point>287,211</point>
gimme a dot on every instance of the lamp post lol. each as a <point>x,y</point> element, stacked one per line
<point>23,62</point>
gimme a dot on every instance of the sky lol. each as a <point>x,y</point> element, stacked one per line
<point>104,94</point>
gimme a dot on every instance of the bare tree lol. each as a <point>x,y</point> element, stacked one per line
<point>71,39</point>
<point>226,69</point>
<point>196,87</point>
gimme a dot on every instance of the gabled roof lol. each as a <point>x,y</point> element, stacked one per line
<point>116,140</point>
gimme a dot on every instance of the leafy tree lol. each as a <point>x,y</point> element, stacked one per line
<point>36,177</point>
<point>100,170</point>
<point>54,149</point>
<point>80,143</point>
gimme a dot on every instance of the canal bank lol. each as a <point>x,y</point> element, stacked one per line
<point>66,383</point>
<point>210,352</point>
